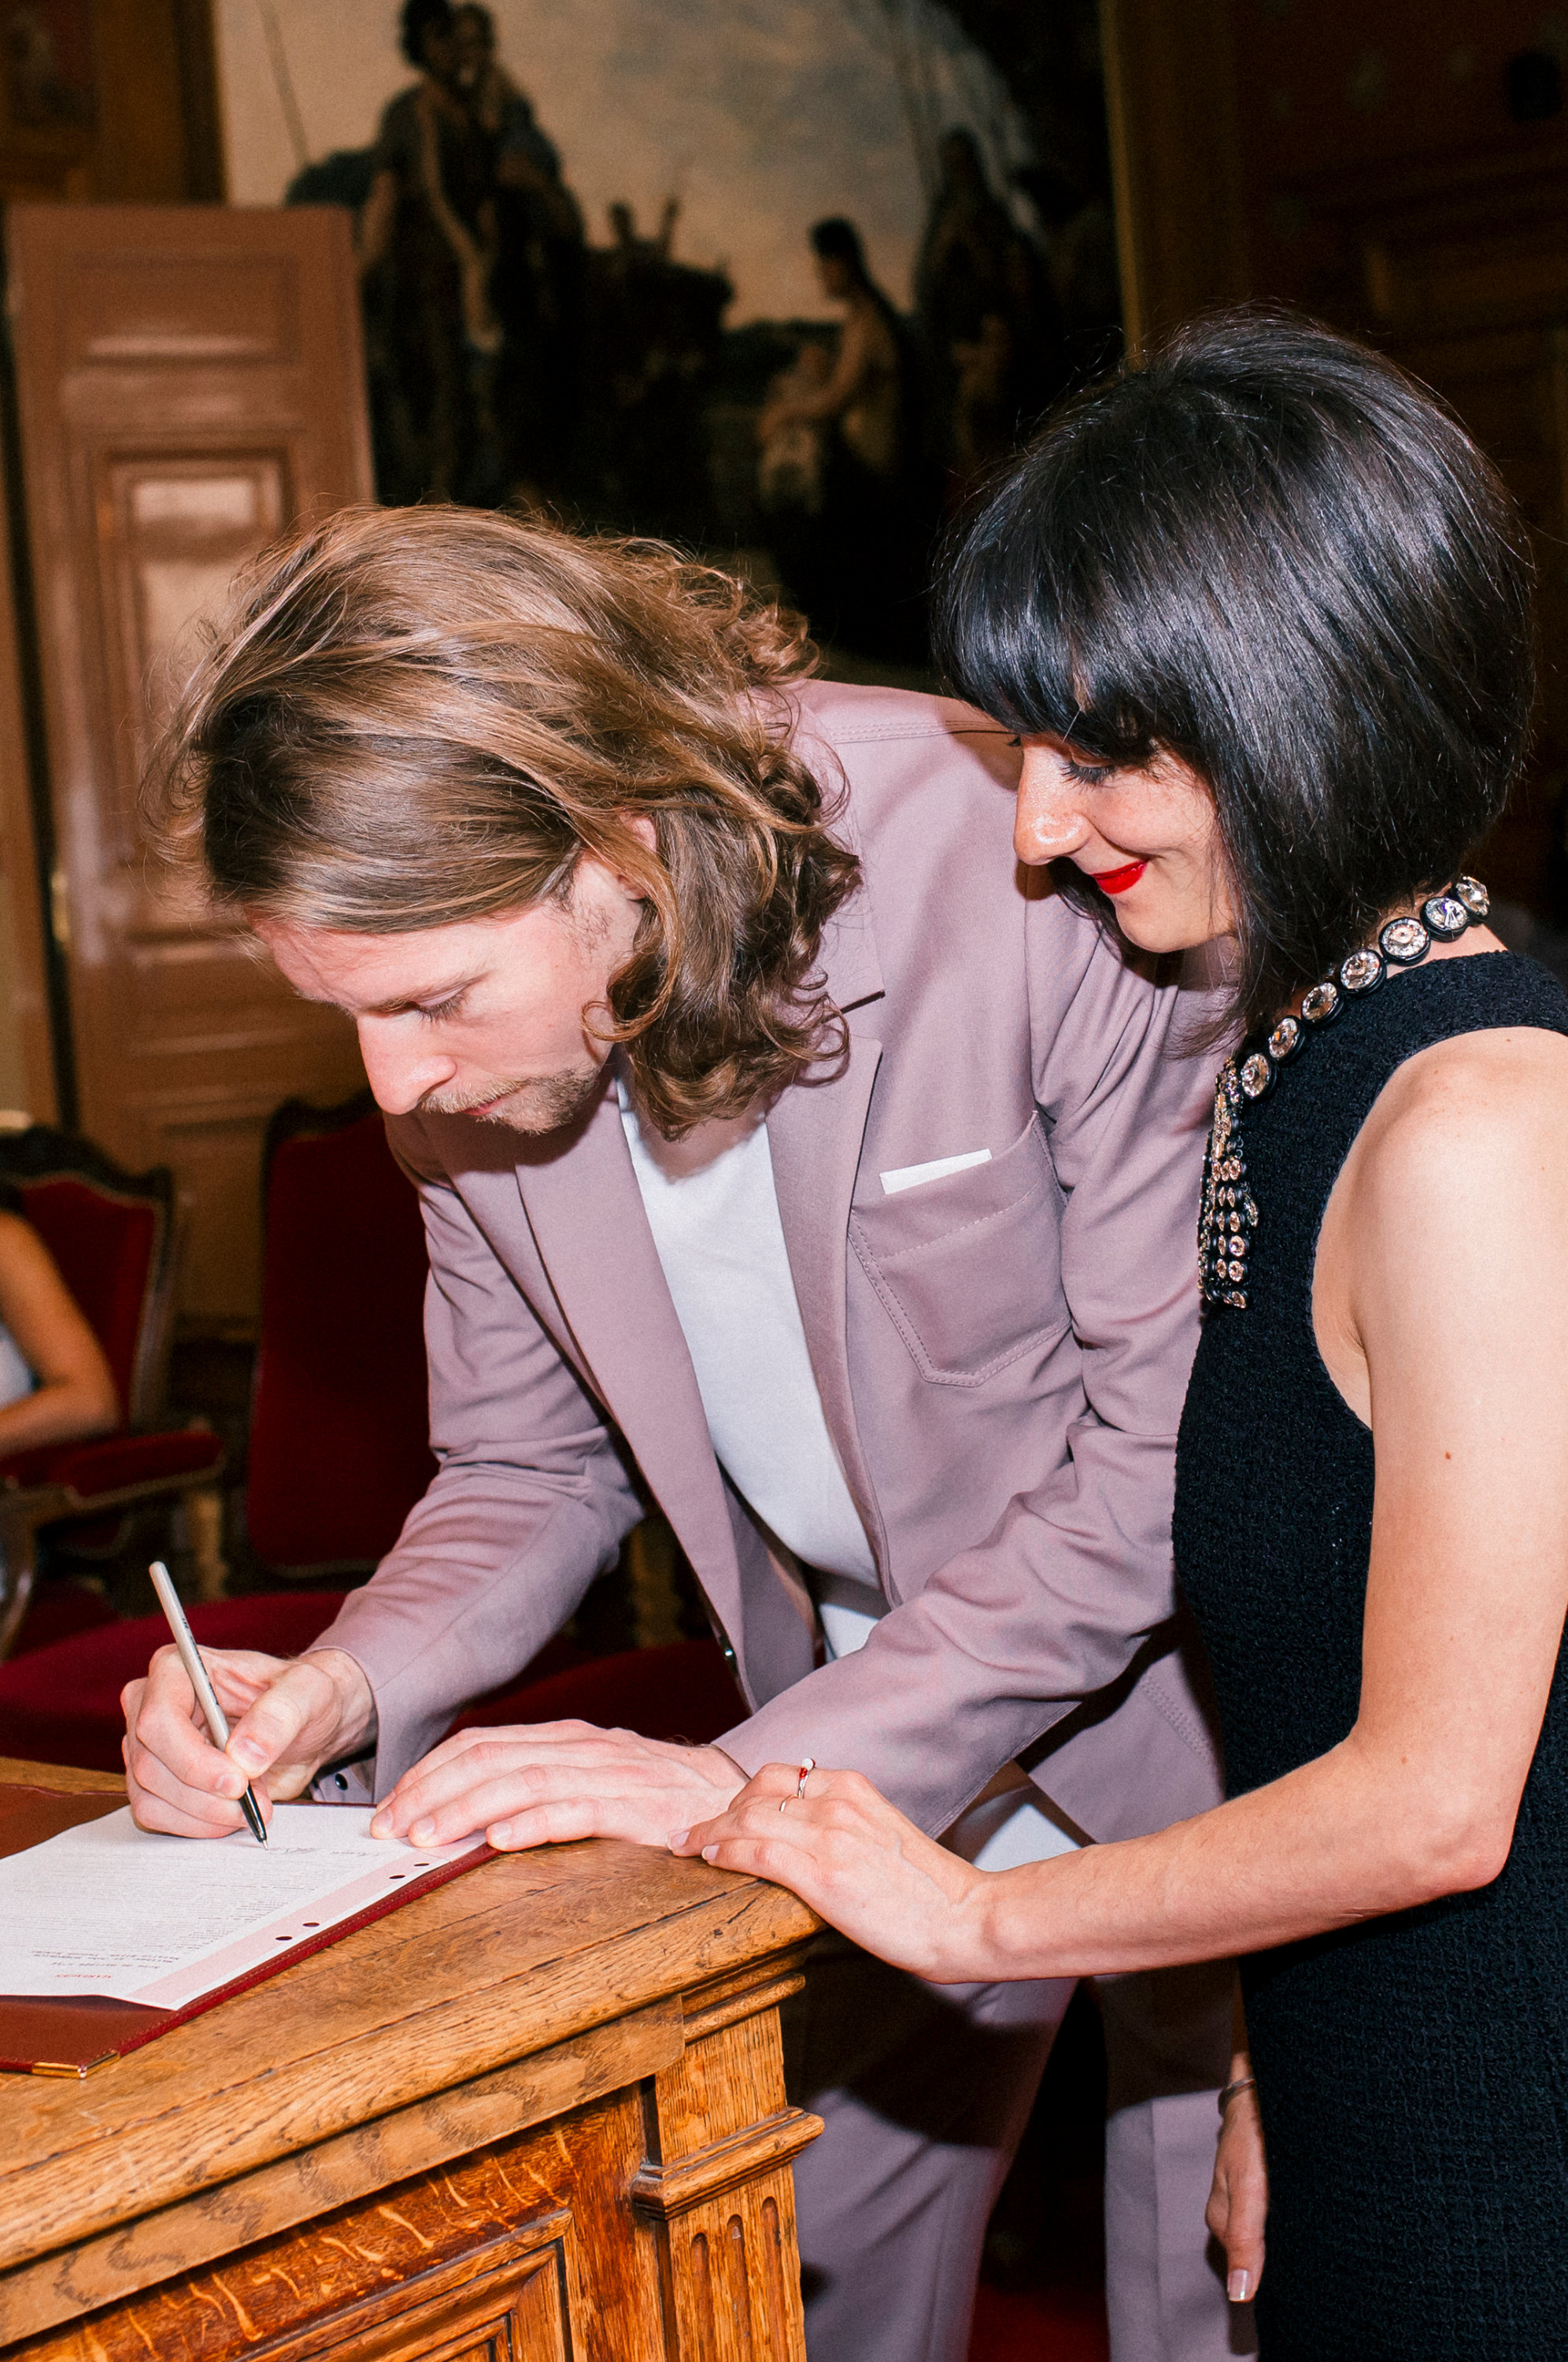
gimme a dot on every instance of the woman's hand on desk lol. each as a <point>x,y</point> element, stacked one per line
<point>287,1717</point>
<point>548,1782</point>
<point>860,1865</point>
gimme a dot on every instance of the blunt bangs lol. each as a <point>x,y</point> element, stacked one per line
<point>1033,639</point>
<point>1271,555</point>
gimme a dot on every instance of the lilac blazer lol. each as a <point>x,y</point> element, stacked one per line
<point>1002,1354</point>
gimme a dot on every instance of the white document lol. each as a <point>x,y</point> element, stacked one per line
<point>913,1176</point>
<point>109,1909</point>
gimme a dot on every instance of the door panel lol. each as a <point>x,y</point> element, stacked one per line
<point>188,382</point>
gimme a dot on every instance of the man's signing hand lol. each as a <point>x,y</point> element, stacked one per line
<point>545,1782</point>
<point>287,1717</point>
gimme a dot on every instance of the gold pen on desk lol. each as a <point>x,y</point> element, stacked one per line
<point>206,1698</point>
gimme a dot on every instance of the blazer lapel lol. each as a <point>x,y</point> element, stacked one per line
<point>815,1129</point>
<point>586,1214</point>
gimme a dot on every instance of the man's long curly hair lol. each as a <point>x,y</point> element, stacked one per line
<point>413,717</point>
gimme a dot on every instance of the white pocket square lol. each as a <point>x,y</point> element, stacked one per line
<point>910,1177</point>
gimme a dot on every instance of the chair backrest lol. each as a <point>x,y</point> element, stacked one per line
<point>341,1420</point>
<point>112,1233</point>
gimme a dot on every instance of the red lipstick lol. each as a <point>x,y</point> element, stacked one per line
<point>1117,881</point>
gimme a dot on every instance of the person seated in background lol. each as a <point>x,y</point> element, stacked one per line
<point>54,1382</point>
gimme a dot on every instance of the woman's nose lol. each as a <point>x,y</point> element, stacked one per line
<point>1048,824</point>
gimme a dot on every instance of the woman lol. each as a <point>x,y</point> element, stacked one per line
<point>1260,613</point>
<point>54,1382</point>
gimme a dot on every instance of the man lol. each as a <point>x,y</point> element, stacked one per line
<point>772,1137</point>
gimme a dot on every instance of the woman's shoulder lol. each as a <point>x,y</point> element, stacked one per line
<point>1480,1111</point>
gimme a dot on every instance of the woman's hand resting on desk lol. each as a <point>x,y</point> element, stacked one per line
<point>288,1715</point>
<point>847,1852</point>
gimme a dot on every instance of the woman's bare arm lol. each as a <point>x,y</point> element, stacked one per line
<point>1455,1255</point>
<point>75,1395</point>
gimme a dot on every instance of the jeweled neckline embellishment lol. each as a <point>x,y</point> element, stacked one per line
<point>1228,1214</point>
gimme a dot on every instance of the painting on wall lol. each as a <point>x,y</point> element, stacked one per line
<point>779,280</point>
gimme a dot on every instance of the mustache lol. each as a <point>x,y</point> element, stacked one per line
<point>440,1102</point>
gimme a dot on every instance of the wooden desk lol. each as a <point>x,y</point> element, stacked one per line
<point>536,2116</point>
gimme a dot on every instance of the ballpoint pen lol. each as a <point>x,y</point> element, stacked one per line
<point>191,1657</point>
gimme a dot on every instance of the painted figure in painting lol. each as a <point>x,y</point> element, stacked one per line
<point>857,573</point>
<point>472,250</point>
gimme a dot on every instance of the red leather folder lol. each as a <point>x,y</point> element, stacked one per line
<point>71,2037</point>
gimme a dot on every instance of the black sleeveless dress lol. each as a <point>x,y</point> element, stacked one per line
<point>1412,2072</point>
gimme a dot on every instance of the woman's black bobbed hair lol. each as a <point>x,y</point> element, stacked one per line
<point>1267,552</point>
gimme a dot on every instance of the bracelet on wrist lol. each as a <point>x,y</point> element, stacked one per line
<point>1241,2083</point>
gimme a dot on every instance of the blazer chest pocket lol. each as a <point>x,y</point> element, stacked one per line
<point>969,1269</point>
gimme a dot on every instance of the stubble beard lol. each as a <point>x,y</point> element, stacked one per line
<point>545,1103</point>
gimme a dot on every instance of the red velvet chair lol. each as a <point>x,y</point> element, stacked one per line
<point>62,1704</point>
<point>112,1235</point>
<point>340,1426</point>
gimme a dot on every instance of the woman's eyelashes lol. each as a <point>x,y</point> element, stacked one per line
<point>1084,775</point>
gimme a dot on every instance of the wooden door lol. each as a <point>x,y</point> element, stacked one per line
<point>187,382</point>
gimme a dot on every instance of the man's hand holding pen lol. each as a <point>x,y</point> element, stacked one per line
<point>287,1716</point>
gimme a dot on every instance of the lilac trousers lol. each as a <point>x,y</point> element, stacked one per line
<point>925,2090</point>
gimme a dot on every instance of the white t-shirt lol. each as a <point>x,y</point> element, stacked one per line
<point>713,1212</point>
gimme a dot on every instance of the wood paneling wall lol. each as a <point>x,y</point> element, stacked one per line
<point>135,119</point>
<point>1362,163</point>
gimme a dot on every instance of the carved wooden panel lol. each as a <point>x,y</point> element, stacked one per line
<point>188,382</point>
<point>717,2183</point>
<point>658,2220</point>
<point>1458,268</point>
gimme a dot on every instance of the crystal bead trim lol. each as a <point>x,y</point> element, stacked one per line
<point>1405,940</point>
<point>1446,915</point>
<point>1228,1215</point>
<point>1362,972</point>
